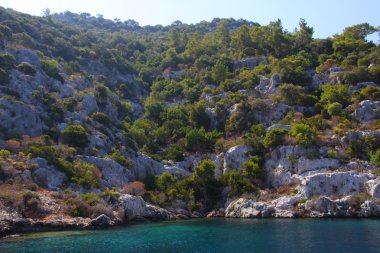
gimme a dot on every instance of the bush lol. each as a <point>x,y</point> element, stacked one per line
<point>27,69</point>
<point>75,135</point>
<point>7,61</point>
<point>175,153</point>
<point>50,67</point>
<point>252,168</point>
<point>274,138</point>
<point>335,109</point>
<point>332,154</point>
<point>86,174</point>
<point>119,158</point>
<point>375,157</point>
<point>165,181</point>
<point>303,133</point>
<point>237,185</point>
<point>101,117</point>
<point>5,154</point>
<point>4,76</point>
<point>199,140</point>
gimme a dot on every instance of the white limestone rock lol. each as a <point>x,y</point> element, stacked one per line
<point>373,187</point>
<point>249,208</point>
<point>368,110</point>
<point>113,174</point>
<point>333,184</point>
<point>235,157</point>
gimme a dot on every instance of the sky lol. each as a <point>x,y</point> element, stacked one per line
<point>328,17</point>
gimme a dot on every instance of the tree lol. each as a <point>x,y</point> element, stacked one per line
<point>223,33</point>
<point>219,72</point>
<point>252,168</point>
<point>334,109</point>
<point>303,133</point>
<point>75,135</point>
<point>165,180</point>
<point>274,137</point>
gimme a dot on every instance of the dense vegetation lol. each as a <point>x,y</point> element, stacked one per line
<point>177,74</point>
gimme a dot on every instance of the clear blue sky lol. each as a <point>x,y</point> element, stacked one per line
<point>328,17</point>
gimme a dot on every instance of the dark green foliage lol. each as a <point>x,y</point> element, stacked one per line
<point>370,93</point>
<point>118,157</point>
<point>27,68</point>
<point>75,135</point>
<point>334,109</point>
<point>303,134</point>
<point>175,153</point>
<point>165,181</point>
<point>375,157</point>
<point>237,184</point>
<point>274,138</point>
<point>4,77</point>
<point>253,169</point>
<point>101,117</point>
<point>201,140</point>
<point>50,67</point>
<point>7,62</point>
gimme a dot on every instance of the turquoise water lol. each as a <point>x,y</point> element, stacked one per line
<point>212,235</point>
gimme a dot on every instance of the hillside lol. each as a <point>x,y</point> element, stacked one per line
<point>223,118</point>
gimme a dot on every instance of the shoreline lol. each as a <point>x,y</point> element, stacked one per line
<point>37,227</point>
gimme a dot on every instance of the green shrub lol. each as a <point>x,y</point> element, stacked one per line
<point>335,109</point>
<point>375,157</point>
<point>237,185</point>
<point>4,76</point>
<point>101,117</point>
<point>332,154</point>
<point>198,140</point>
<point>165,180</point>
<point>275,137</point>
<point>50,67</point>
<point>303,133</point>
<point>119,158</point>
<point>86,174</point>
<point>175,153</point>
<point>75,135</point>
<point>5,154</point>
<point>27,68</point>
<point>7,61</point>
<point>252,168</point>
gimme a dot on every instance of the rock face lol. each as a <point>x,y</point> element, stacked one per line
<point>287,163</point>
<point>102,221</point>
<point>280,126</point>
<point>268,86</point>
<point>373,187</point>
<point>18,117</point>
<point>235,157</point>
<point>47,176</point>
<point>248,208</point>
<point>113,174</point>
<point>144,166</point>
<point>369,209</point>
<point>89,104</point>
<point>333,184</point>
<point>326,207</point>
<point>135,208</point>
<point>368,110</point>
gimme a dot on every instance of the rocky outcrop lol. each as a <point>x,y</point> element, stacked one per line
<point>135,208</point>
<point>287,164</point>
<point>249,208</point>
<point>144,166</point>
<point>373,187</point>
<point>268,85</point>
<point>333,184</point>
<point>20,118</point>
<point>89,104</point>
<point>235,157</point>
<point>369,209</point>
<point>326,207</point>
<point>113,174</point>
<point>102,221</point>
<point>368,110</point>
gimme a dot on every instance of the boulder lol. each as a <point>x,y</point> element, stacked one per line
<point>144,166</point>
<point>373,187</point>
<point>305,165</point>
<point>102,221</point>
<point>249,208</point>
<point>368,110</point>
<point>48,177</point>
<point>369,209</point>
<point>135,208</point>
<point>89,104</point>
<point>66,91</point>
<point>235,157</point>
<point>333,184</point>
<point>326,207</point>
<point>113,174</point>
<point>18,117</point>
<point>280,126</point>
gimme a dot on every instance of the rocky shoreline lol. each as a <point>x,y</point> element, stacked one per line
<point>137,210</point>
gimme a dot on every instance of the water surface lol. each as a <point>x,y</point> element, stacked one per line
<point>212,235</point>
